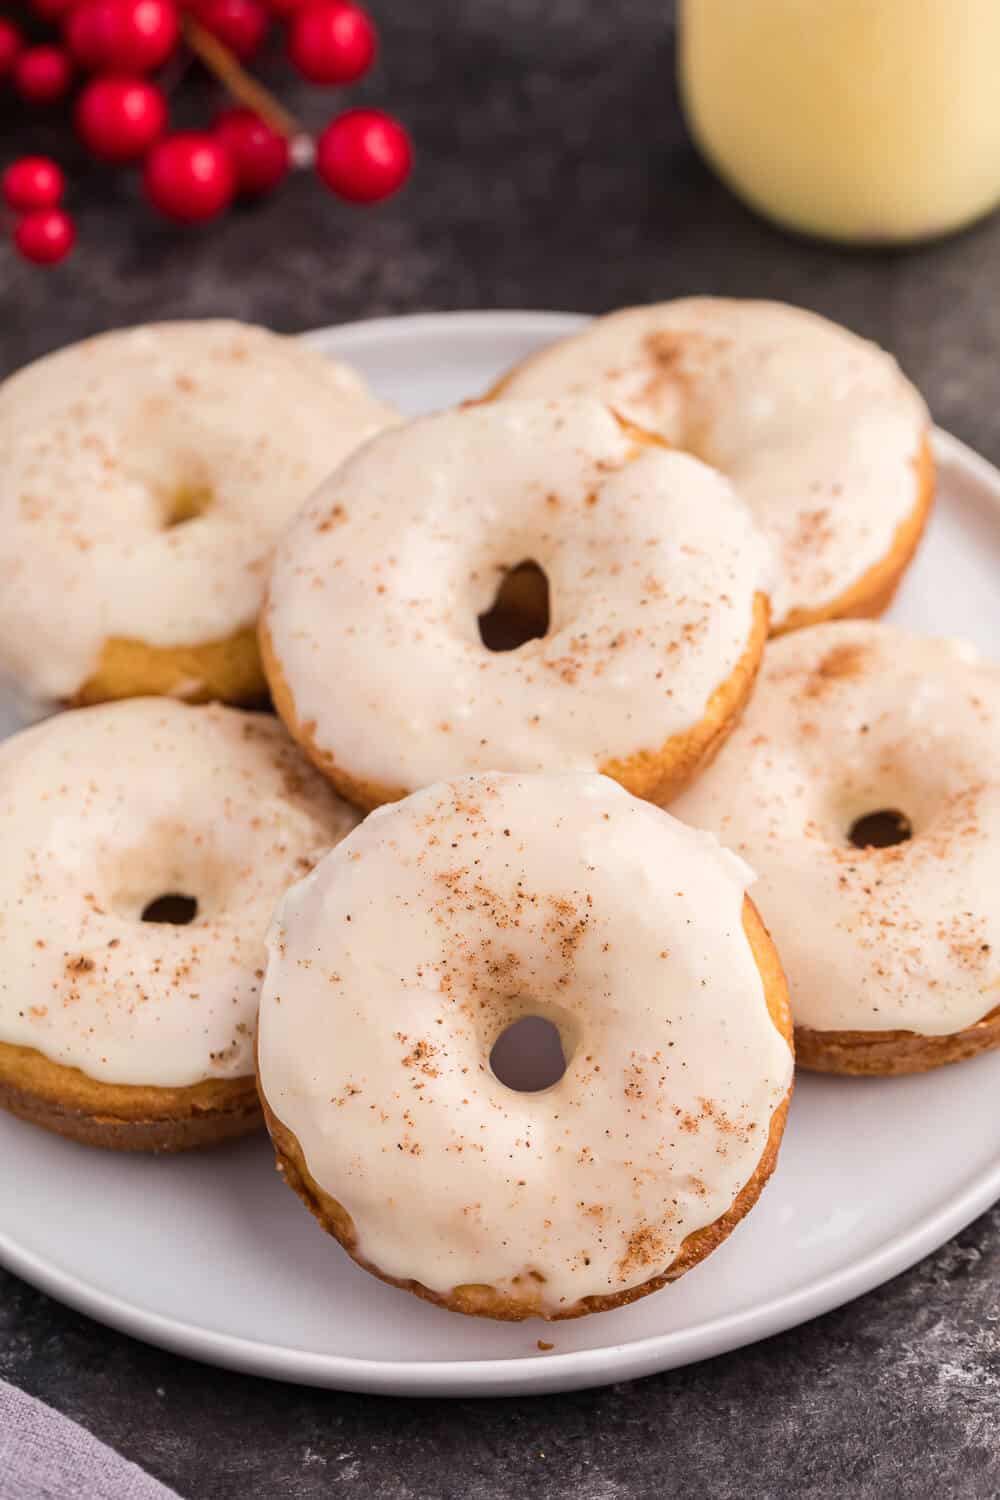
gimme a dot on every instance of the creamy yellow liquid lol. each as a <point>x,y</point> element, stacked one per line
<point>865,120</point>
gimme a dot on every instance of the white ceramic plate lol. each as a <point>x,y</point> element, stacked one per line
<point>210,1255</point>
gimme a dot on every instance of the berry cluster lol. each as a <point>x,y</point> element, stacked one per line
<point>121,113</point>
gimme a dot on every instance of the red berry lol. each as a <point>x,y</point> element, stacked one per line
<point>10,46</point>
<point>259,154</point>
<point>45,236</point>
<point>240,25</point>
<point>282,9</point>
<point>33,182</point>
<point>87,30</point>
<point>42,74</point>
<point>331,42</point>
<point>146,34</point>
<point>118,119</point>
<point>364,155</point>
<point>190,176</point>
<point>127,36</point>
<point>51,10</point>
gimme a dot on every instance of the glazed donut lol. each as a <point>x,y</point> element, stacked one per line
<point>644,654</point>
<point>144,478</point>
<point>863,785</point>
<point>559,896</point>
<point>145,845</point>
<point>817,429</point>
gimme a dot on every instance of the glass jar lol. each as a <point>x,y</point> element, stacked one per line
<point>873,121</point>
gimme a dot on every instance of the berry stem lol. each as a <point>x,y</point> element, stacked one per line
<point>224,66</point>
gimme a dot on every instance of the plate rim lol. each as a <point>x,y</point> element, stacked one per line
<point>574,1370</point>
<point>527,1374</point>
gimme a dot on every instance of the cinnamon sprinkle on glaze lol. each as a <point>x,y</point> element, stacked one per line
<point>849,719</point>
<point>819,430</point>
<point>219,806</point>
<point>506,897</point>
<point>654,572</point>
<point>149,510</point>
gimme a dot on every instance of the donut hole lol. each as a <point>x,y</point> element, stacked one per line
<point>172,907</point>
<point>520,609</point>
<point>172,875</point>
<point>186,502</point>
<point>880,829</point>
<point>528,1055</point>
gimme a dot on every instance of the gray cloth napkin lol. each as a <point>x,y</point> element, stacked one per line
<point>44,1456</point>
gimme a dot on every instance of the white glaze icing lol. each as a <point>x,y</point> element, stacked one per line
<point>96,442</point>
<point>817,428</point>
<point>105,809</point>
<point>374,600</point>
<point>849,719</point>
<point>557,895</point>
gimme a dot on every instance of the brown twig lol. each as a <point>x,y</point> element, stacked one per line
<point>223,65</point>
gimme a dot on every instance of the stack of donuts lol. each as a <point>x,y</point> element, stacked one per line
<point>361,741</point>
